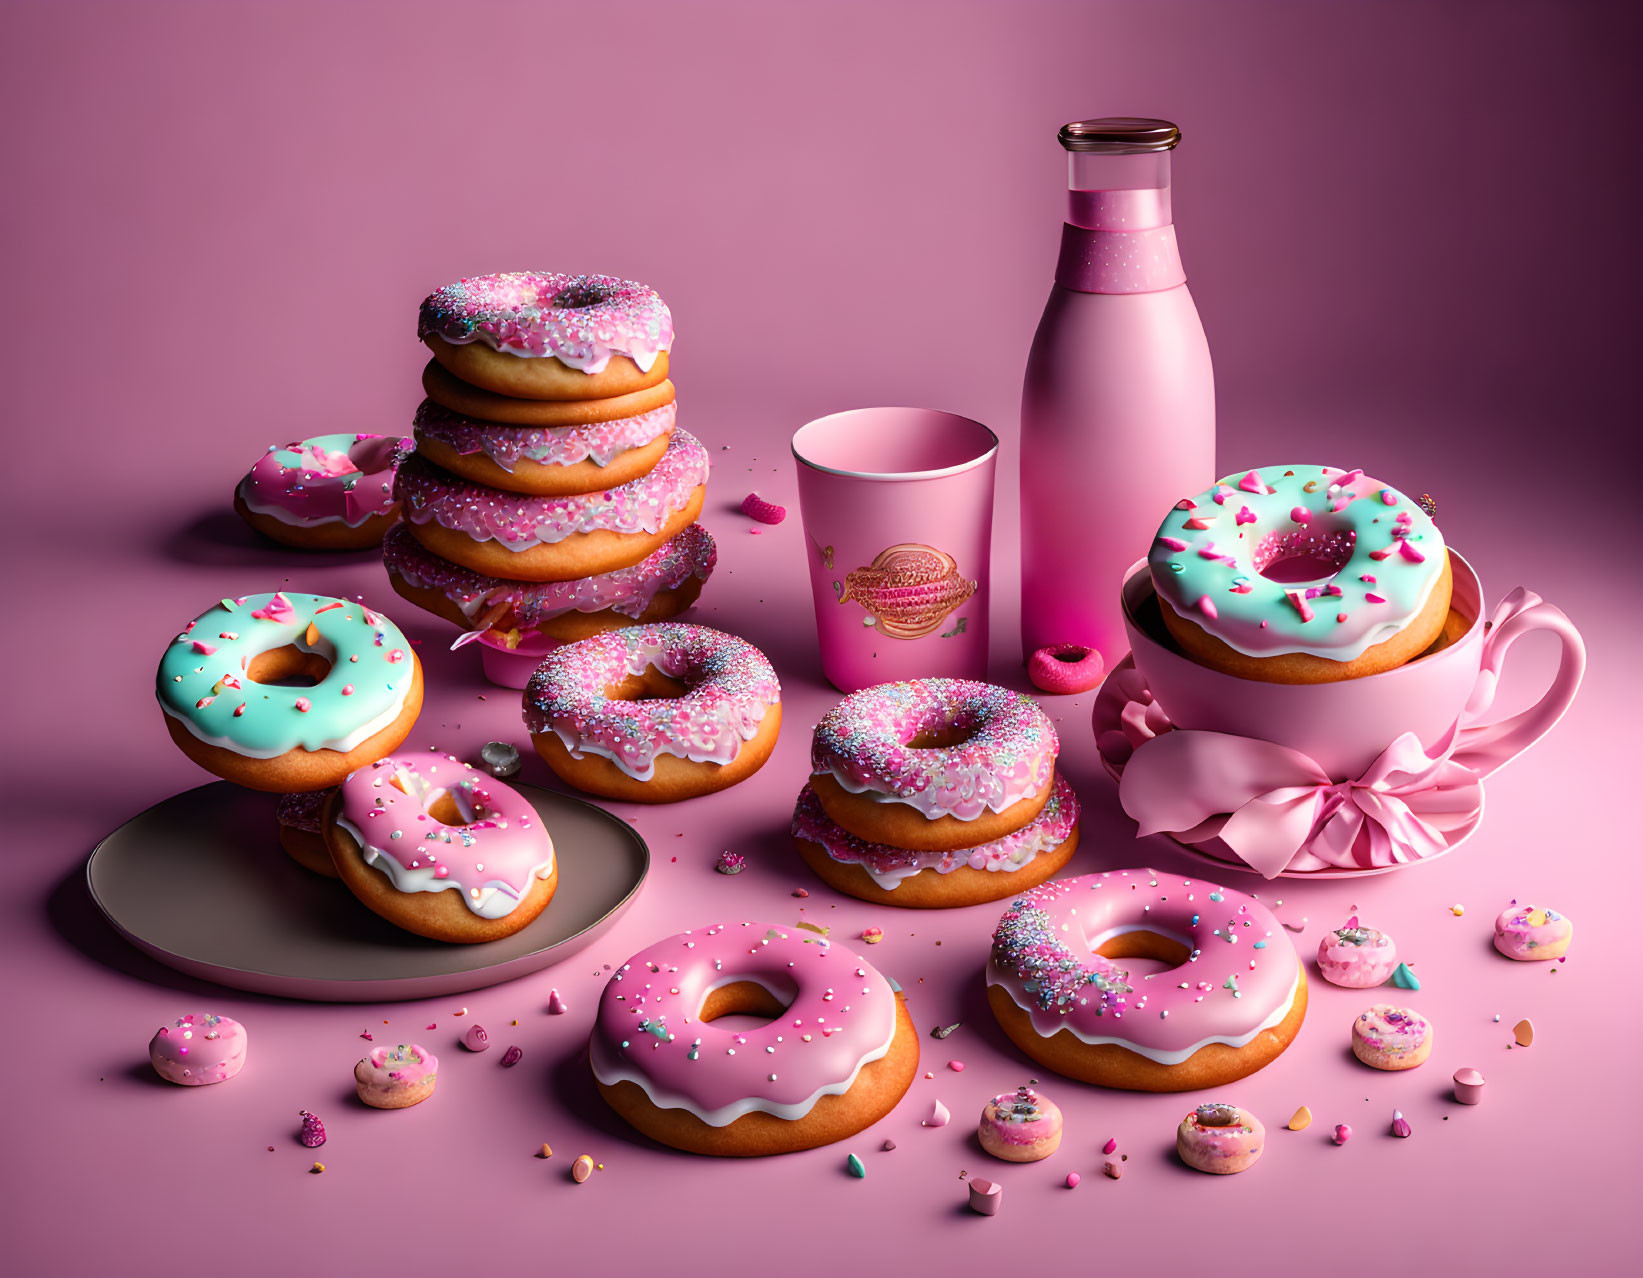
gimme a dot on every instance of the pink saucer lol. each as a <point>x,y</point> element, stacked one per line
<point>1114,746</point>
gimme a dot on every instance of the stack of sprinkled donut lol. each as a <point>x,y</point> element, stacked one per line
<point>935,792</point>
<point>550,494</point>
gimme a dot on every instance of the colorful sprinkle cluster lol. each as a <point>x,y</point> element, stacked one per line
<point>598,442</point>
<point>1058,980</point>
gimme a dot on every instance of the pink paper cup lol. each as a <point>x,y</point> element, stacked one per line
<point>897,506</point>
<point>1345,726</point>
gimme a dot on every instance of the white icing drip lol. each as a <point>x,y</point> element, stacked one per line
<point>496,899</point>
<point>291,517</point>
<point>342,744</point>
<point>929,806</point>
<point>581,749</point>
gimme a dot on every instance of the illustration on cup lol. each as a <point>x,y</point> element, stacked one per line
<point>908,590</point>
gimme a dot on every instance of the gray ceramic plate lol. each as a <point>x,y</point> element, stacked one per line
<point>201,883</point>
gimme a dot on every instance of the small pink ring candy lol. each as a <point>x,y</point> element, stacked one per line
<point>1064,669</point>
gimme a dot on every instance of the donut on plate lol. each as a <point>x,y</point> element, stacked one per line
<point>288,691</point>
<point>837,1054</point>
<point>1301,574</point>
<point>542,335</point>
<point>537,538</point>
<point>655,713</point>
<point>440,849</point>
<point>301,819</point>
<point>330,492</point>
<point>1231,999</point>
<point>654,589</point>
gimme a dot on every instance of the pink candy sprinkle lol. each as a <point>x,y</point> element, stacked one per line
<point>1343,1133</point>
<point>1389,497</point>
<point>1206,605</point>
<point>766,512</point>
<point>1298,598</point>
<point>239,710</point>
<point>1301,515</point>
<point>203,648</point>
<point>1244,516</point>
<point>304,705</point>
<point>1111,1147</point>
<point>1072,1180</point>
<point>1172,543</point>
<point>1198,523</point>
<point>1367,579</point>
<point>1252,483</point>
<point>1409,552</point>
<point>1374,598</point>
<point>347,689</point>
<point>956,1066</point>
<point>939,1116</point>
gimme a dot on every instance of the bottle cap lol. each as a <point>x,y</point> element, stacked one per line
<point>1119,135</point>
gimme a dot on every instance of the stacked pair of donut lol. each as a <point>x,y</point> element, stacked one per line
<point>550,493</point>
<point>934,793</point>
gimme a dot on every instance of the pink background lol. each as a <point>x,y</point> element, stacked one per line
<point>1411,235</point>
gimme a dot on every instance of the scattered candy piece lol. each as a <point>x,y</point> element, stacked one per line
<point>1468,1085</point>
<point>872,935</point>
<point>499,758</point>
<point>888,1146</point>
<point>546,1151</point>
<point>1113,1170</point>
<point>1404,979</point>
<point>1343,1133</point>
<point>1400,1125</point>
<point>1072,1180</point>
<point>1457,910</point>
<point>512,1057</point>
<point>1302,1120</point>
<point>939,1116</point>
<point>1111,1147</point>
<point>366,1035</point>
<point>956,1066</point>
<point>582,1168</point>
<point>1524,1032</point>
<point>313,1131</point>
<point>800,892</point>
<point>942,1031</point>
<point>766,512</point>
<point>316,1169</point>
<point>856,1167</point>
<point>986,1196</point>
<point>476,1039</point>
<point>730,862</point>
<point>556,1005</point>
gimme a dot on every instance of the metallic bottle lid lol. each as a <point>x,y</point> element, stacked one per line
<point>1119,135</point>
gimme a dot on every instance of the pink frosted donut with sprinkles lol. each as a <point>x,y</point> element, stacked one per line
<point>1391,1038</point>
<point>657,588</point>
<point>554,538</point>
<point>198,1048</point>
<point>396,1077</point>
<point>1526,933</point>
<point>330,492</point>
<point>654,713</point>
<point>1230,1000</point>
<point>1357,957</point>
<point>441,849</point>
<point>1022,1126</point>
<point>1220,1139</point>
<point>836,1054</point>
<point>933,765</point>
<point>544,335</point>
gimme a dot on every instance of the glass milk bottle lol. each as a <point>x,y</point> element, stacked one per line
<point>1118,408</point>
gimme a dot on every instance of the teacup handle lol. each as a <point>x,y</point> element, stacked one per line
<point>1489,747</point>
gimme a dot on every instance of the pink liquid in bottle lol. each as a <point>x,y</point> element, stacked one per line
<point>1118,406</point>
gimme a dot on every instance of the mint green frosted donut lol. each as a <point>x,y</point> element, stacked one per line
<point>1298,559</point>
<point>202,682</point>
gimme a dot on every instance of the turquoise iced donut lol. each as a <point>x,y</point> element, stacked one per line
<point>1301,574</point>
<point>289,692</point>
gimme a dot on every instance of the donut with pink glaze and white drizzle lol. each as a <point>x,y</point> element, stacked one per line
<point>330,492</point>
<point>301,819</point>
<point>1220,1139</point>
<point>544,335</point>
<point>526,538</point>
<point>655,589</point>
<point>836,1056</point>
<point>1232,999</point>
<point>1525,933</point>
<point>655,713</point>
<point>441,849</point>
<point>198,1048</point>
<point>934,765</point>
<point>1357,957</point>
<point>1391,1038</point>
<point>889,875</point>
<point>396,1077</point>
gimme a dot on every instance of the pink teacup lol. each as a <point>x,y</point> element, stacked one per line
<point>1344,727</point>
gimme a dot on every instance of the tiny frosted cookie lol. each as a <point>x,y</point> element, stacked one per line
<point>330,492</point>
<point>1391,1038</point>
<point>656,713</point>
<point>1357,957</point>
<point>1020,1126</point>
<point>544,335</point>
<point>288,691</point>
<point>197,1049</point>
<point>394,1077</point>
<point>1525,933</point>
<point>301,818</point>
<point>1220,1139</point>
<point>441,849</point>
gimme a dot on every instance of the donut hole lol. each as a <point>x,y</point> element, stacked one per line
<point>1156,952</point>
<point>1071,656</point>
<point>743,1005</point>
<point>939,737</point>
<point>1305,555</point>
<point>576,297</point>
<point>652,685</point>
<point>288,667</point>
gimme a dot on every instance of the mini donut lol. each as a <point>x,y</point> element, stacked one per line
<point>225,710</point>
<point>887,875</point>
<point>1065,669</point>
<point>654,589</point>
<point>656,713</point>
<point>484,406</point>
<point>522,538</point>
<point>1220,1139</point>
<point>1522,932</point>
<point>1232,1002</point>
<point>1357,957</point>
<point>1301,574</point>
<point>541,335</point>
<point>934,765</point>
<point>301,818</point>
<point>1022,1126</point>
<point>1391,1038</point>
<point>396,1077</point>
<point>837,1054</point>
<point>440,849</point>
<point>330,492</point>
<point>198,1048</point>
<point>544,460</point>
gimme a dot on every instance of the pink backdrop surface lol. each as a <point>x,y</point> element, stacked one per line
<point>1411,237</point>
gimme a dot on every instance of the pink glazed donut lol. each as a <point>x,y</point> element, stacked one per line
<point>1232,1000</point>
<point>1391,1038</point>
<point>396,1077</point>
<point>1065,669</point>
<point>1356,957</point>
<point>1524,933</point>
<point>1022,1126</point>
<point>655,713</point>
<point>933,765</point>
<point>198,1048</point>
<point>836,1055</point>
<point>1220,1139</point>
<point>330,492</point>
